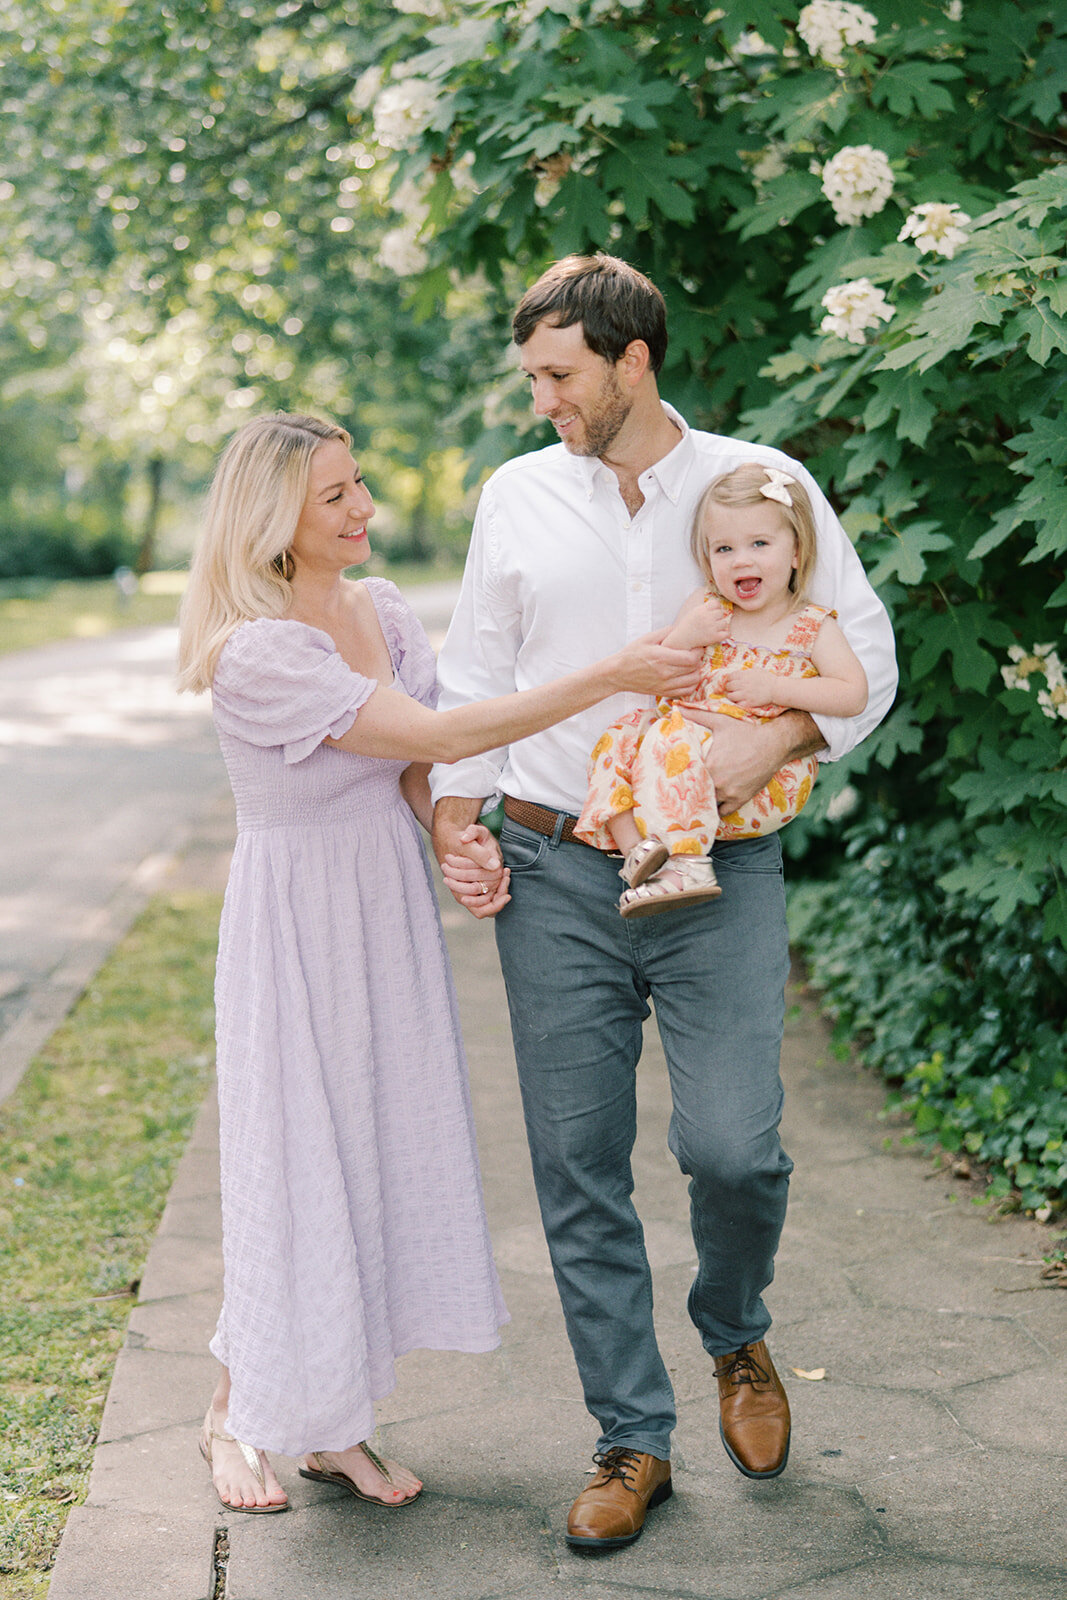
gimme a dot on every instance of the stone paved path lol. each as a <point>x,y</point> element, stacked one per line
<point>930,1461</point>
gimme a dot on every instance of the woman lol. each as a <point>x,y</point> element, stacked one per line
<point>353,1227</point>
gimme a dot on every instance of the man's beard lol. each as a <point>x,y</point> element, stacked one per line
<point>603,425</point>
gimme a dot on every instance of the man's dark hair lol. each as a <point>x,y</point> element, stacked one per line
<point>614,303</point>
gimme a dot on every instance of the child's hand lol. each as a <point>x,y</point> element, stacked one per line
<point>753,686</point>
<point>704,625</point>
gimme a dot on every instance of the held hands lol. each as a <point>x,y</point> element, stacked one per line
<point>753,686</point>
<point>475,873</point>
<point>647,666</point>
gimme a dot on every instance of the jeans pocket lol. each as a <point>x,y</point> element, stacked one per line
<point>750,855</point>
<point>522,849</point>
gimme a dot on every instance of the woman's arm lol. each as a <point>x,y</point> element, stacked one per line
<point>840,690</point>
<point>393,726</point>
<point>415,787</point>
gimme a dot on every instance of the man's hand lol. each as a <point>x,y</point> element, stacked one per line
<point>469,857</point>
<point>475,873</point>
<point>744,756</point>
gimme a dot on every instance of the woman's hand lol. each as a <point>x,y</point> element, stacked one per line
<point>475,873</point>
<point>647,666</point>
<point>752,686</point>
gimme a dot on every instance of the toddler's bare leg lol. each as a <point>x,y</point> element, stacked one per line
<point>624,831</point>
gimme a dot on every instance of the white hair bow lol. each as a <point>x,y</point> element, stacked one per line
<point>775,487</point>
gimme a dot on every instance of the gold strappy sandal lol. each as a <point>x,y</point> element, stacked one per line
<point>642,860</point>
<point>322,1474</point>
<point>251,1456</point>
<point>658,894</point>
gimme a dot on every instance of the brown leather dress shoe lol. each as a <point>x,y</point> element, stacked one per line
<point>753,1411</point>
<point>612,1510</point>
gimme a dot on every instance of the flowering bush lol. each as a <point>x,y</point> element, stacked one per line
<point>846,156</point>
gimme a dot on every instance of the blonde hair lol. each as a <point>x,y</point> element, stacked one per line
<point>240,568</point>
<point>743,487</point>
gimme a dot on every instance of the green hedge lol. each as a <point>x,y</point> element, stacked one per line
<point>964,1017</point>
<point>52,550</point>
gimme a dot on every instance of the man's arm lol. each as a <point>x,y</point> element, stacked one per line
<point>745,756</point>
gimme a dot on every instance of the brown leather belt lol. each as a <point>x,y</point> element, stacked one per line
<point>541,819</point>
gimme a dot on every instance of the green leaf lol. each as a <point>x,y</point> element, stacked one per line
<point>1002,526</point>
<point>1046,332</point>
<point>780,201</point>
<point>906,557</point>
<point>915,88</point>
<point>1046,440</point>
<point>944,324</point>
<point>1055,293</point>
<point>1004,888</point>
<point>957,632</point>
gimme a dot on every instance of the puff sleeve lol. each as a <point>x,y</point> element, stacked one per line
<point>280,683</point>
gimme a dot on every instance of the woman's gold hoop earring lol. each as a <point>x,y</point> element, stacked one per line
<point>284,564</point>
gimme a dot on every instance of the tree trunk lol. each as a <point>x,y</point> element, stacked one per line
<point>146,554</point>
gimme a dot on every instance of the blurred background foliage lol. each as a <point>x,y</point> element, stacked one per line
<point>214,208</point>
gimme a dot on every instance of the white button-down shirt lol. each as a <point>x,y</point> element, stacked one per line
<point>559,575</point>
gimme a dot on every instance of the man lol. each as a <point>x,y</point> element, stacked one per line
<point>575,549</point>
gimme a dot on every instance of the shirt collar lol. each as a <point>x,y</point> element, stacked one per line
<point>670,472</point>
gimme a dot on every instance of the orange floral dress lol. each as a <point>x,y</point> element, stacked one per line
<point>651,762</point>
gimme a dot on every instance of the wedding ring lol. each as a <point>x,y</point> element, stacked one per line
<point>484,887</point>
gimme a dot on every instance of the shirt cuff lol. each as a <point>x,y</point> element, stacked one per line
<point>475,779</point>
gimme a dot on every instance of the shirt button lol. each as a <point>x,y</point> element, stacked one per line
<point>637,587</point>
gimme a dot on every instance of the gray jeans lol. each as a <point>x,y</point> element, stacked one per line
<point>579,978</point>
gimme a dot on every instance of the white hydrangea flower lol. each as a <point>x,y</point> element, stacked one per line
<point>402,110</point>
<point>857,182</point>
<point>770,163</point>
<point>853,308</point>
<point>401,253</point>
<point>954,10</point>
<point>827,26</point>
<point>1042,658</point>
<point>1053,702</point>
<point>936,225</point>
<point>420,8</point>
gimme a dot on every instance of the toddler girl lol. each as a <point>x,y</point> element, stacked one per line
<point>650,793</point>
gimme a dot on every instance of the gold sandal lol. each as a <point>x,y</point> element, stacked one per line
<point>322,1474</point>
<point>659,894</point>
<point>251,1456</point>
<point>642,860</point>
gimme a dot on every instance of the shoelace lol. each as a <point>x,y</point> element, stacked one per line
<point>742,1368</point>
<point>617,1462</point>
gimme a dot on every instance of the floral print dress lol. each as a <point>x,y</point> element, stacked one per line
<point>651,761</point>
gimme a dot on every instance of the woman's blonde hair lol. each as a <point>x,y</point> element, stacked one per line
<point>240,568</point>
<point>746,485</point>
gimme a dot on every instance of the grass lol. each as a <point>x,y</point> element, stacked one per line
<point>35,611</point>
<point>88,1146</point>
<point>40,611</point>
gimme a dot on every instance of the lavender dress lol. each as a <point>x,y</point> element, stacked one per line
<point>353,1226</point>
